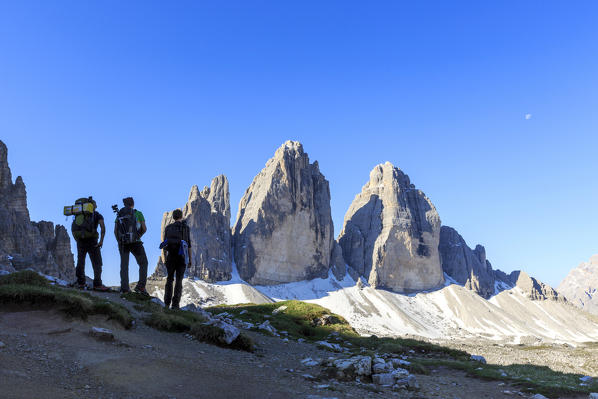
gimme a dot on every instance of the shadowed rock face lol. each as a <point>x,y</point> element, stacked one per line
<point>25,244</point>
<point>391,233</point>
<point>207,214</point>
<point>581,285</point>
<point>284,229</point>
<point>468,267</point>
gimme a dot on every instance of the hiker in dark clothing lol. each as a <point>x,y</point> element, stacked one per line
<point>131,244</point>
<point>85,233</point>
<point>177,244</point>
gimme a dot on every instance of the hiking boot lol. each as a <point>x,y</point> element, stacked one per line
<point>175,307</point>
<point>80,286</point>
<point>141,291</point>
<point>124,291</point>
<point>101,288</point>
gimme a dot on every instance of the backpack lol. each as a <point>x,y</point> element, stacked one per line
<point>174,234</point>
<point>126,226</point>
<point>84,223</point>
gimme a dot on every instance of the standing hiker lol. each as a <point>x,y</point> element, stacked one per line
<point>85,232</point>
<point>177,245</point>
<point>129,227</point>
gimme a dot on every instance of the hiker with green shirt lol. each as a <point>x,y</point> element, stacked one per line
<point>129,227</point>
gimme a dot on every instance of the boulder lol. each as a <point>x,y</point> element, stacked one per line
<point>101,334</point>
<point>228,332</point>
<point>207,214</point>
<point>466,266</point>
<point>284,231</point>
<point>41,246</point>
<point>391,234</point>
<point>384,379</point>
<point>351,368</point>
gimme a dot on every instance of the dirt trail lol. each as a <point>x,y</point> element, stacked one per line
<point>48,356</point>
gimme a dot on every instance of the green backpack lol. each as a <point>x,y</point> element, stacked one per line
<point>84,225</point>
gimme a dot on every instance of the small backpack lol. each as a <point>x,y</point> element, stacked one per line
<point>126,226</point>
<point>84,225</point>
<point>174,234</point>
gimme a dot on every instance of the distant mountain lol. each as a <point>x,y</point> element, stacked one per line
<point>581,285</point>
<point>449,313</point>
<point>26,244</point>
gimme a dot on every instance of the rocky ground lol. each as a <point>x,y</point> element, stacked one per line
<point>46,355</point>
<point>579,359</point>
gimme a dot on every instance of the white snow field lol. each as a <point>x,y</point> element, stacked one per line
<point>451,312</point>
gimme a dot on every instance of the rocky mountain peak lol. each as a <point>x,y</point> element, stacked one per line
<point>536,290</point>
<point>468,267</point>
<point>25,244</point>
<point>284,229</point>
<point>207,213</point>
<point>391,233</point>
<point>580,286</point>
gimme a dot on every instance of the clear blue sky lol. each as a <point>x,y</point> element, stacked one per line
<point>147,98</point>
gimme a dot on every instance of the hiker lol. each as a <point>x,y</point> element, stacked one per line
<point>85,232</point>
<point>177,245</point>
<point>129,227</point>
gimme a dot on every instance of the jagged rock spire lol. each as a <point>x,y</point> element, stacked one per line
<point>25,244</point>
<point>207,212</point>
<point>391,232</point>
<point>284,229</point>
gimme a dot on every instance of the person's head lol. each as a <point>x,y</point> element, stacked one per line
<point>95,205</point>
<point>177,214</point>
<point>129,202</point>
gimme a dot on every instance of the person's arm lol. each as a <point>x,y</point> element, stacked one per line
<point>102,232</point>
<point>188,239</point>
<point>143,229</point>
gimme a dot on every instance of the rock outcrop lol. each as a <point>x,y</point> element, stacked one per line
<point>534,289</point>
<point>207,214</point>
<point>25,244</point>
<point>284,229</point>
<point>466,266</point>
<point>580,286</point>
<point>391,234</point>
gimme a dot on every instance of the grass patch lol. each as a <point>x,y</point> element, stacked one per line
<point>25,277</point>
<point>172,320</point>
<point>24,288</point>
<point>297,319</point>
<point>143,303</point>
<point>189,322</point>
<point>539,379</point>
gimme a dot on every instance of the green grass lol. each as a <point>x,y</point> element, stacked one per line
<point>26,277</point>
<point>297,320</point>
<point>24,288</point>
<point>173,320</point>
<point>180,321</point>
<point>528,377</point>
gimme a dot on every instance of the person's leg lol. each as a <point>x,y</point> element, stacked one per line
<point>124,267</point>
<point>178,287</point>
<point>80,269</point>
<point>170,270</point>
<point>139,252</point>
<point>96,261</point>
